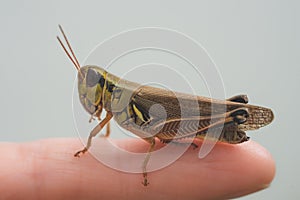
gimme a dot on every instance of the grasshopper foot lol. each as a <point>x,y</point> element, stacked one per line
<point>194,145</point>
<point>77,154</point>
<point>145,181</point>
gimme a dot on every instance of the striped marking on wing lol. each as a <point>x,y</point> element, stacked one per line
<point>189,127</point>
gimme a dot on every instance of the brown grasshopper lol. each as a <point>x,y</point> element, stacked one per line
<point>129,103</point>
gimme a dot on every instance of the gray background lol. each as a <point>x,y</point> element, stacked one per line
<point>255,45</point>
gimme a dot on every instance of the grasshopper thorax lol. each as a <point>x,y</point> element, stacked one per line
<point>91,82</point>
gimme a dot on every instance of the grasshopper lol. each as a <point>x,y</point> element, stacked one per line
<point>129,104</point>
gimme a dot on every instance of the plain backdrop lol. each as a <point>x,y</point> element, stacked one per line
<point>255,45</point>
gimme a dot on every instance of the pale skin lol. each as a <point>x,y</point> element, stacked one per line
<point>47,169</point>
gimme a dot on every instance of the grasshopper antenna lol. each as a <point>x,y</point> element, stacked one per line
<point>73,59</point>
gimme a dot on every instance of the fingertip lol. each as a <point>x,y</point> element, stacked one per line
<point>265,164</point>
<point>256,169</point>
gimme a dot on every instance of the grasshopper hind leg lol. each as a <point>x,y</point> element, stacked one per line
<point>240,115</point>
<point>152,145</point>
<point>239,99</point>
<point>231,132</point>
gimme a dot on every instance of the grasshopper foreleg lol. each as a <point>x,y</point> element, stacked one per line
<point>94,132</point>
<point>107,133</point>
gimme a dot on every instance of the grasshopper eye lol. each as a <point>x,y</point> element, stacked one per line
<point>92,78</point>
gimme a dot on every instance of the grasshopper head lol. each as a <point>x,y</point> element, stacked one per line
<point>91,80</point>
<point>90,87</point>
